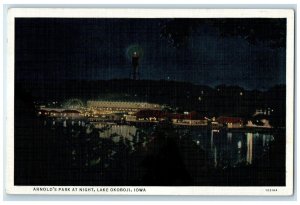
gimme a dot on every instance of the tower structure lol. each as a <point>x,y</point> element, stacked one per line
<point>135,65</point>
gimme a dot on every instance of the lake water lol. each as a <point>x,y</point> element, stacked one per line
<point>232,148</point>
<point>223,148</point>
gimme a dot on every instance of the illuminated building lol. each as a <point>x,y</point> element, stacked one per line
<point>230,122</point>
<point>120,106</point>
<point>70,113</point>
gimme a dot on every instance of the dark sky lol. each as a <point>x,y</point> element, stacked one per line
<point>245,52</point>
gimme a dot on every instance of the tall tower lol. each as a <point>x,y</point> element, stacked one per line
<point>135,65</point>
<point>134,55</point>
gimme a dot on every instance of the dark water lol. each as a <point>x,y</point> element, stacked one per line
<point>225,148</point>
<point>232,148</point>
<point>81,153</point>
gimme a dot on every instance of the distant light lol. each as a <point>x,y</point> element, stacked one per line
<point>241,93</point>
<point>239,144</point>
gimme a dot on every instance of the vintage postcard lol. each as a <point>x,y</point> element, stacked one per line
<point>150,101</point>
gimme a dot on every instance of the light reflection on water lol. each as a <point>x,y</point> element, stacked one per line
<point>230,149</point>
<point>226,149</point>
<point>223,148</point>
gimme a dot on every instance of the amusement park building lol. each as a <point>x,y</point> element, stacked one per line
<point>122,106</point>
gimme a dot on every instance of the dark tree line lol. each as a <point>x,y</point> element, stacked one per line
<point>271,31</point>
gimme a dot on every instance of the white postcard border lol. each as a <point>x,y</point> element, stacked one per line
<point>152,13</point>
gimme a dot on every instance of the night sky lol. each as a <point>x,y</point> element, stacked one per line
<point>246,52</point>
